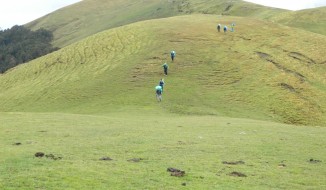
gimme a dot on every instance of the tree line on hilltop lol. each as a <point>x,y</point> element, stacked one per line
<point>19,45</point>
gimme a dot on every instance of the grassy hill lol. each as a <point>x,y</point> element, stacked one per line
<point>313,20</point>
<point>88,17</point>
<point>91,109</point>
<point>262,71</point>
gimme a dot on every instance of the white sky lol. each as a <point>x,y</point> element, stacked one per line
<point>291,4</point>
<point>19,12</point>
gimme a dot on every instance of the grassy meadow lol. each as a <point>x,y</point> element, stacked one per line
<point>240,110</point>
<point>142,145</point>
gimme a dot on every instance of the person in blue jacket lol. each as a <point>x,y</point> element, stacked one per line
<point>225,29</point>
<point>173,54</point>
<point>161,83</point>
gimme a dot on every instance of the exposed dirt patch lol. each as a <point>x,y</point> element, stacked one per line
<point>288,87</point>
<point>281,165</point>
<point>39,154</point>
<point>237,174</point>
<point>301,57</point>
<point>263,55</point>
<point>311,160</point>
<point>176,172</point>
<point>135,160</point>
<point>156,58</point>
<point>234,163</point>
<point>245,38</point>
<point>176,40</point>
<point>269,58</point>
<point>48,156</point>
<point>105,158</point>
<point>53,157</point>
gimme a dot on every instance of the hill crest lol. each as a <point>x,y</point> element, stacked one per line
<point>77,21</point>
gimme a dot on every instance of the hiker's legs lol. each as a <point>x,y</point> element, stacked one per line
<point>166,71</point>
<point>159,97</point>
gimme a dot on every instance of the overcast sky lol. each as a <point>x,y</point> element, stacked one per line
<point>291,4</point>
<point>19,12</point>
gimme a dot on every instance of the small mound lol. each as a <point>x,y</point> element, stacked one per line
<point>176,172</point>
<point>237,174</point>
<point>234,163</point>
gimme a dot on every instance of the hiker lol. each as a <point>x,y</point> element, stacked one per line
<point>161,83</point>
<point>218,27</point>
<point>232,27</point>
<point>158,90</point>
<point>165,67</point>
<point>225,29</point>
<point>173,55</point>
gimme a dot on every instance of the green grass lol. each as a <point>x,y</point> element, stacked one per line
<point>214,73</point>
<point>276,156</point>
<point>83,19</point>
<point>88,17</point>
<point>225,99</point>
<point>313,20</point>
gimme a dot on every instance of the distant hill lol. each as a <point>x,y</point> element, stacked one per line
<point>262,71</point>
<point>88,17</point>
<point>313,20</point>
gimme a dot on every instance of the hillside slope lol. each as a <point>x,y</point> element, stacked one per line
<point>261,71</point>
<point>88,17</point>
<point>313,20</point>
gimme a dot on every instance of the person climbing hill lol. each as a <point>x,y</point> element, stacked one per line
<point>161,83</point>
<point>225,29</point>
<point>158,90</point>
<point>232,27</point>
<point>173,54</point>
<point>219,27</point>
<point>165,67</point>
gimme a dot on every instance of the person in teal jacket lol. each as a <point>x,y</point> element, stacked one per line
<point>158,90</point>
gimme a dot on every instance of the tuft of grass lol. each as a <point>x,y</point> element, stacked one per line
<point>205,147</point>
